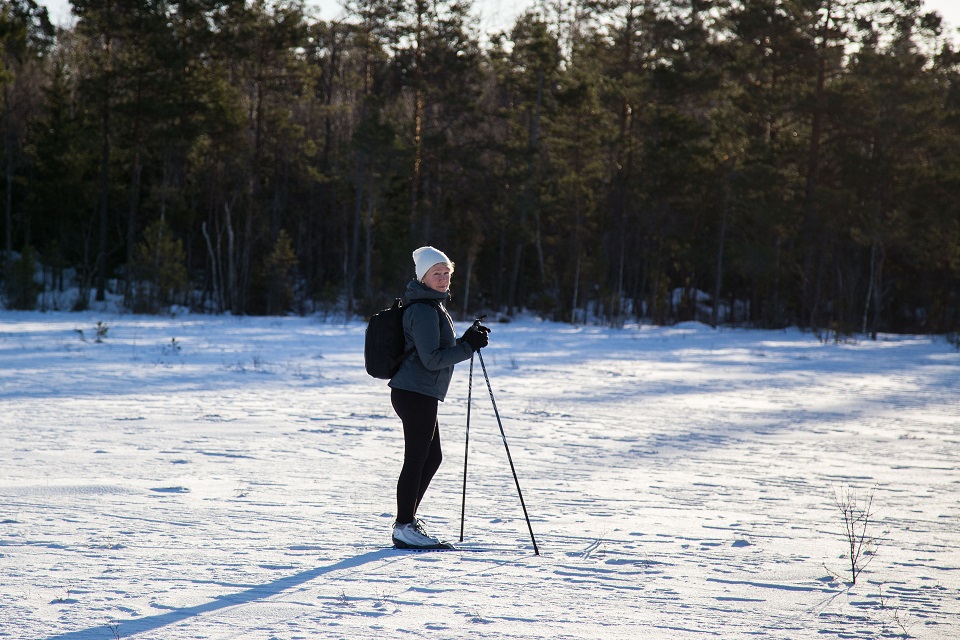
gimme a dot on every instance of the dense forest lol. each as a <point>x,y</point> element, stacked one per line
<point>753,162</point>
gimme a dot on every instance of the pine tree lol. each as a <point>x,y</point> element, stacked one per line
<point>159,271</point>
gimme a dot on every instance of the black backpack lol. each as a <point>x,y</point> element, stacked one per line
<point>384,342</point>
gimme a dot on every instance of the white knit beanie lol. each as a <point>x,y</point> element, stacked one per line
<point>426,257</point>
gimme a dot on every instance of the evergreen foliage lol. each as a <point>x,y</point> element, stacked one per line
<point>751,162</point>
<point>158,272</point>
<point>20,283</point>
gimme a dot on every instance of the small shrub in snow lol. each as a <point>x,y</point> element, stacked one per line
<point>857,513</point>
<point>897,615</point>
<point>172,348</point>
<point>99,332</point>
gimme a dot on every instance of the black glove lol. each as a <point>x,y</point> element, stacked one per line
<point>476,337</point>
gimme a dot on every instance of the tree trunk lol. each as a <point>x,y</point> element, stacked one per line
<point>104,204</point>
<point>718,282</point>
<point>368,246</point>
<point>215,270</point>
<point>419,101</point>
<point>8,170</point>
<point>354,249</point>
<point>533,143</point>
<point>136,172</point>
<point>813,263</point>
<point>231,262</point>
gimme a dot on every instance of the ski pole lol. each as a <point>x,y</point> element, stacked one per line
<point>466,444</point>
<point>466,450</point>
<point>503,435</point>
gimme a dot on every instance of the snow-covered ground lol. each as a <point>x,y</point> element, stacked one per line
<point>220,477</point>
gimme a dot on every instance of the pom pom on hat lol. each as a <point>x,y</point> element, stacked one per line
<point>426,257</point>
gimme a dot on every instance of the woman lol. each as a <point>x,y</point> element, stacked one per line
<point>421,384</point>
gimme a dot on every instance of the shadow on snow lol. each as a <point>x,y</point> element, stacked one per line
<point>134,626</point>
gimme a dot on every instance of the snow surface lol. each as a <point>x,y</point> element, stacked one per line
<point>221,477</point>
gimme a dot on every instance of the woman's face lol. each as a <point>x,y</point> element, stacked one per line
<point>438,277</point>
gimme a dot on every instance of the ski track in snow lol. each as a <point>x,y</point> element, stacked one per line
<point>193,478</point>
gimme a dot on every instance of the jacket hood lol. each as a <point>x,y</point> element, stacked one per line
<point>418,291</point>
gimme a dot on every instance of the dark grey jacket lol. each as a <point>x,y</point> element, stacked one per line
<point>428,370</point>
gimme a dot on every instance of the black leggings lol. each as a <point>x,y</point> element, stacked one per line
<point>421,451</point>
